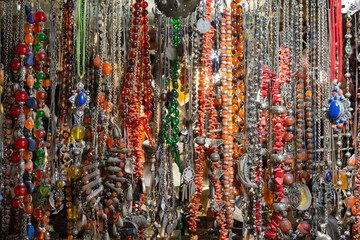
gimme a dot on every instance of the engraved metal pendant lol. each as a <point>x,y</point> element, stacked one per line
<point>177,8</point>
<point>80,99</point>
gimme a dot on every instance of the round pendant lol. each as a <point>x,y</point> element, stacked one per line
<point>203,25</point>
<point>188,174</point>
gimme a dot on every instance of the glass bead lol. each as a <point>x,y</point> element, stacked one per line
<point>106,68</point>
<point>97,61</point>
<point>165,127</point>
<point>39,133</point>
<point>176,121</point>
<point>40,153</point>
<point>37,47</point>
<point>39,162</point>
<point>22,49</point>
<point>176,130</point>
<point>174,93</point>
<point>41,37</point>
<point>175,139</point>
<point>167,81</point>
<point>37,85</point>
<point>38,124</point>
<point>75,172</point>
<point>170,110</point>
<point>40,113</point>
<point>176,112</point>
<point>29,123</point>
<point>165,136</point>
<point>40,75</point>
<point>78,132</point>
<point>168,118</point>
<point>15,64</point>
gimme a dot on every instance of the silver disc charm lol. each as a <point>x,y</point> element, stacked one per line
<point>203,25</point>
<point>188,174</point>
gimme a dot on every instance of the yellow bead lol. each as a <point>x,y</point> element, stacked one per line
<point>72,212</point>
<point>75,172</point>
<point>61,184</point>
<point>78,132</point>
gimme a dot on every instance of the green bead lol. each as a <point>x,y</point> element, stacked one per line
<point>40,75</point>
<point>175,139</point>
<point>176,121</point>
<point>172,101</point>
<point>38,124</point>
<point>176,103</point>
<point>174,75</point>
<point>176,21</point>
<point>168,118</point>
<point>176,130</point>
<point>175,84</point>
<point>41,37</point>
<point>172,21</point>
<point>40,153</point>
<point>170,110</point>
<point>165,136</point>
<point>175,66</point>
<point>176,38</point>
<point>174,93</point>
<point>176,112</point>
<point>37,85</point>
<point>40,113</point>
<point>165,127</point>
<point>39,161</point>
<point>176,29</point>
<point>37,47</point>
<point>167,81</point>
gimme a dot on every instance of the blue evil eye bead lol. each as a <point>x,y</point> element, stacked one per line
<point>31,102</point>
<point>334,109</point>
<point>328,177</point>
<point>30,187</point>
<point>31,144</point>
<point>30,231</point>
<point>30,60</point>
<point>27,9</point>
<point>30,18</point>
<point>81,99</point>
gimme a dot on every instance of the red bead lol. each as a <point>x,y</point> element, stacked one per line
<point>21,143</point>
<point>148,114</point>
<point>125,91</point>
<point>135,123</point>
<point>127,84</point>
<point>15,157</point>
<point>20,190</point>
<point>147,91</point>
<point>137,6</point>
<point>148,99</point>
<point>145,38</point>
<point>148,106</point>
<point>15,203</point>
<point>15,111</point>
<point>147,76</point>
<point>123,107</point>
<point>130,69</point>
<point>146,68</point>
<point>144,4</point>
<point>21,96</point>
<point>144,12</point>
<point>147,83</point>
<point>41,95</point>
<point>145,28</point>
<point>41,56</point>
<point>40,17</point>
<point>132,61</point>
<point>15,64</point>
<point>145,53</point>
<point>132,54</point>
<point>144,20</point>
<point>134,36</point>
<point>144,121</point>
<point>22,50</point>
<point>136,13</point>
<point>124,99</point>
<point>145,45</point>
<point>146,61</point>
<point>135,29</point>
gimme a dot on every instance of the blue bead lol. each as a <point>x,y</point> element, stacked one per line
<point>331,99</point>
<point>30,230</point>
<point>336,97</point>
<point>334,109</point>
<point>31,102</point>
<point>337,122</point>
<point>328,176</point>
<point>30,187</point>
<point>31,144</point>
<point>341,98</point>
<point>30,18</point>
<point>30,60</point>
<point>336,89</point>
<point>81,99</point>
<point>341,120</point>
<point>27,9</point>
<point>82,90</point>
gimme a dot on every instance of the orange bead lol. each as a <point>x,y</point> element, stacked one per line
<point>106,68</point>
<point>101,98</point>
<point>97,61</point>
<point>29,123</point>
<point>30,81</point>
<point>29,39</point>
<point>46,83</point>
<point>108,104</point>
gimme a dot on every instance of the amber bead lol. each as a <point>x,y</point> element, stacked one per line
<point>289,179</point>
<point>289,120</point>
<point>106,68</point>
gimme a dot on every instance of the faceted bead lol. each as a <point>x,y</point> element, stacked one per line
<point>40,113</point>
<point>41,37</point>
<point>30,60</point>
<point>29,39</point>
<point>30,18</point>
<point>40,17</point>
<point>40,133</point>
<point>29,123</point>
<point>75,172</point>
<point>40,75</point>
<point>37,47</point>
<point>78,132</point>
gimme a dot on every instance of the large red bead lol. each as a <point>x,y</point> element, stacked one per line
<point>15,203</point>
<point>21,143</point>
<point>40,17</point>
<point>41,95</point>
<point>15,111</point>
<point>15,157</point>
<point>22,49</point>
<point>21,96</point>
<point>15,64</point>
<point>20,190</point>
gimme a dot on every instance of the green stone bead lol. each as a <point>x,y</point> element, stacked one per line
<point>176,29</point>
<point>172,101</point>
<point>167,81</point>
<point>41,37</point>
<point>165,136</point>
<point>175,66</point>
<point>40,153</point>
<point>176,121</point>
<point>165,127</point>
<point>176,103</point>
<point>174,75</point>
<point>40,113</point>
<point>176,130</point>
<point>40,75</point>
<point>176,38</point>
<point>170,110</point>
<point>39,161</point>
<point>174,93</point>
<point>176,112</point>
<point>37,47</point>
<point>38,124</point>
<point>37,85</point>
<point>175,84</point>
<point>175,139</point>
<point>168,118</point>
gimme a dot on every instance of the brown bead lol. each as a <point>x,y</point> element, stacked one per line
<point>302,155</point>
<point>289,120</point>
<point>304,228</point>
<point>288,137</point>
<point>305,175</point>
<point>298,167</point>
<point>288,179</point>
<point>289,158</point>
<point>285,225</point>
